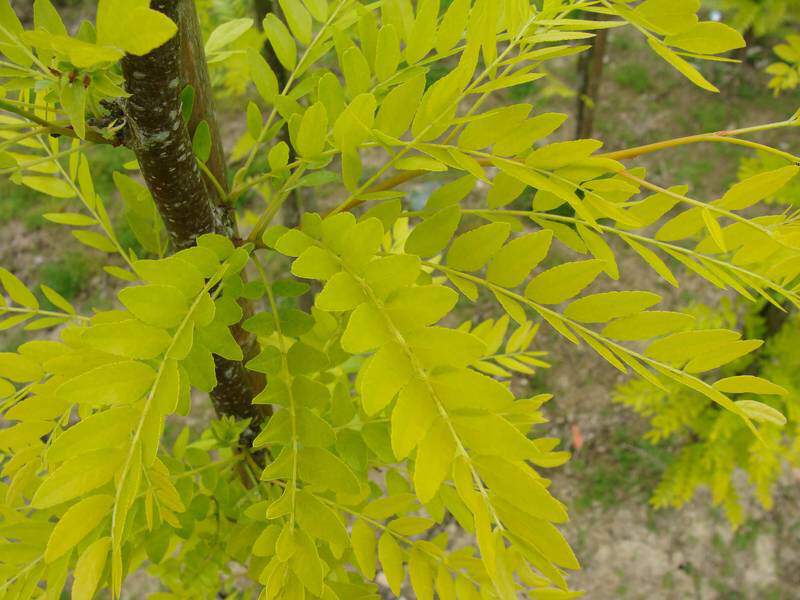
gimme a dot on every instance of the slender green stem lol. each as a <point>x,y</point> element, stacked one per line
<point>89,206</point>
<point>54,128</point>
<point>727,136</point>
<point>292,76</point>
<point>275,204</point>
<point>44,313</point>
<point>214,181</point>
<point>10,36</point>
<point>287,378</point>
<point>46,159</point>
<point>187,321</point>
<point>353,200</point>
<point>639,238</point>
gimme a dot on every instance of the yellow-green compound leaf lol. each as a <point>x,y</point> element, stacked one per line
<point>721,354</point>
<point>361,243</point>
<point>341,293</point>
<point>159,305</point>
<point>600,249</point>
<point>432,235</point>
<point>227,33</point>
<point>563,282</point>
<point>106,429</point>
<point>560,154</point>
<point>681,65</point>
<point>391,556</point>
<point>669,16</point>
<point>319,520</point>
<point>73,100</point>
<point>418,306</point>
<point>492,435</point>
<point>255,123</point>
<point>468,391</point>
<point>472,250</point>
<point>514,262</point>
<point>14,50</point>
<point>385,375</point>
<point>685,345</point>
<point>749,384</point>
<point>366,330</point>
<point>362,538</point>
<point>453,25</point>
<point>444,583</point>
<point>387,52</point>
<point>652,259</point>
<point>320,467</point>
<point>492,126</point>
<point>354,124</point>
<point>298,19</point>
<point>758,411</point>
<point>78,476</point>
<point>714,230</point>
<point>116,383</point>
<point>389,273</point>
<point>168,389</point>
<point>316,263</point>
<point>423,32</point>
<point>17,290</point>
<point>412,416</point>
<point>281,40</point>
<point>648,325</point>
<point>19,368</point>
<point>145,30</point>
<point>57,299</point>
<point>262,75</point>
<point>399,106</point>
<point>421,575</point>
<point>434,457</point>
<point>356,71</point>
<point>89,569</point>
<point>130,338</point>
<point>306,564</point>
<point>519,485</point>
<point>528,132</point>
<point>201,141</point>
<point>444,347</point>
<point>600,308</point>
<point>68,218</point>
<point>75,524</point>
<point>505,189</point>
<point>708,37</point>
<point>310,141</point>
<point>754,189</point>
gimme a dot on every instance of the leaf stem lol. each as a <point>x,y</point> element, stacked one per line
<point>725,136</point>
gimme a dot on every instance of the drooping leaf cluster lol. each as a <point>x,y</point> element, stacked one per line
<point>388,420</point>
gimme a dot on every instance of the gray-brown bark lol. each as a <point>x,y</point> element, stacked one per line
<point>194,72</point>
<point>188,204</point>
<point>161,141</point>
<point>590,68</point>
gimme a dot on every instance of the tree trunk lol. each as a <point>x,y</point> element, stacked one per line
<point>188,204</point>
<point>194,72</point>
<point>590,68</point>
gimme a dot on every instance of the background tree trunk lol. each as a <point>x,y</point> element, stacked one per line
<point>189,205</point>
<point>590,69</point>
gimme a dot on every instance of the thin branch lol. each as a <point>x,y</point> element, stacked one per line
<point>53,128</point>
<point>727,136</point>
